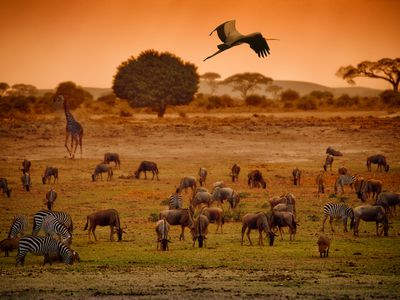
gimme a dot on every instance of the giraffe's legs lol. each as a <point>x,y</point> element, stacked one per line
<point>72,155</point>
<point>80,142</point>
<point>66,142</point>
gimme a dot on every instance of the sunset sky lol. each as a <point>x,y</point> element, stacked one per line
<point>45,42</point>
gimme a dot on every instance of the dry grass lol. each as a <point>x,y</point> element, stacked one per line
<point>363,267</point>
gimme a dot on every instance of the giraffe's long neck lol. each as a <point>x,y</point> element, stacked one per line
<point>68,115</point>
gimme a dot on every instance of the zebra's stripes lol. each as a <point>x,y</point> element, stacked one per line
<point>52,226</point>
<point>46,246</point>
<point>337,210</point>
<point>61,216</point>
<point>343,180</point>
<point>175,201</point>
<point>19,225</point>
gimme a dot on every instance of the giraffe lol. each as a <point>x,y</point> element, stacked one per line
<point>73,129</point>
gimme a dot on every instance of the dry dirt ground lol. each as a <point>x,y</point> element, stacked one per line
<point>273,143</point>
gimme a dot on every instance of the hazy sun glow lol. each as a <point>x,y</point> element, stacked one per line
<point>45,42</point>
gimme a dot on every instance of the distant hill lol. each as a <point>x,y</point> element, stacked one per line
<point>301,87</point>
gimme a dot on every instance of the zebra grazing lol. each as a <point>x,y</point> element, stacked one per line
<point>378,159</point>
<point>51,226</point>
<point>19,225</point>
<point>50,171</point>
<point>109,157</point>
<point>175,201</point>
<point>61,216</point>
<point>235,172</point>
<point>4,187</point>
<point>338,210</point>
<point>328,162</point>
<point>343,180</point>
<point>26,181</point>
<point>296,176</point>
<point>51,196</point>
<point>202,176</point>
<point>46,246</point>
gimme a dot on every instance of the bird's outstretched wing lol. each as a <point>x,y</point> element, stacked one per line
<point>257,42</point>
<point>227,32</point>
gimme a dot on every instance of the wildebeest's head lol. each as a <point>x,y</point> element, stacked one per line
<point>93,177</point>
<point>387,168</point>
<point>8,192</point>
<point>120,231</point>
<point>385,226</point>
<point>271,237</point>
<point>164,244</point>
<point>324,167</point>
<point>44,179</point>
<point>136,174</point>
<point>264,184</point>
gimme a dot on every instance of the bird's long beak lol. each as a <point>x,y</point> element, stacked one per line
<point>273,39</point>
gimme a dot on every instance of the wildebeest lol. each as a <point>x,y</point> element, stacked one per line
<point>235,170</point>
<point>255,179</point>
<point>26,166</point>
<point>214,215</point>
<point>188,182</point>
<point>333,152</point>
<point>51,196</point>
<point>8,245</point>
<point>162,230</point>
<point>226,193</point>
<point>369,213</point>
<point>26,181</point>
<point>260,222</point>
<point>284,219</point>
<point>323,245</point>
<point>4,187</point>
<point>182,217</point>
<point>108,217</point>
<point>202,176</point>
<point>368,187</point>
<point>328,162</point>
<point>100,169</point>
<point>387,200</point>
<point>378,159</point>
<point>111,156</point>
<point>320,182</point>
<point>50,171</point>
<point>296,173</point>
<point>147,166</point>
<point>199,230</point>
<point>201,198</point>
<point>288,199</point>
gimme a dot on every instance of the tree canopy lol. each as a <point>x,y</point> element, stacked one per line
<point>386,68</point>
<point>74,94</point>
<point>247,82</point>
<point>212,79</point>
<point>156,80</point>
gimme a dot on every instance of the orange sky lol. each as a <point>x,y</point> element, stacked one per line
<point>45,42</point>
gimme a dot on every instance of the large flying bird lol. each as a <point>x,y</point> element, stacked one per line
<point>231,37</point>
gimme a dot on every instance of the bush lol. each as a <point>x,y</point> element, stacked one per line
<point>346,101</point>
<point>390,98</point>
<point>289,95</point>
<point>22,104</point>
<point>255,100</point>
<point>306,103</point>
<point>213,102</point>
<point>109,99</point>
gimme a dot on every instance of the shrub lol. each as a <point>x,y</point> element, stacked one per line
<point>21,104</point>
<point>109,99</point>
<point>306,103</point>
<point>390,98</point>
<point>124,113</point>
<point>289,95</point>
<point>255,100</point>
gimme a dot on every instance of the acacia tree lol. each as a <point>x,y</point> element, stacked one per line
<point>246,82</point>
<point>74,94</point>
<point>156,80</point>
<point>3,88</point>
<point>386,68</point>
<point>212,80</point>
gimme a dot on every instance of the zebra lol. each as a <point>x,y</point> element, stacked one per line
<point>53,226</point>
<point>19,225</point>
<point>175,200</point>
<point>344,180</point>
<point>61,216</point>
<point>46,246</point>
<point>338,210</point>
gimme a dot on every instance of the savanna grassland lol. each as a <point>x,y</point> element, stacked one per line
<point>357,268</point>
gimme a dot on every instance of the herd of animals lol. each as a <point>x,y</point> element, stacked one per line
<point>200,212</point>
<point>282,214</point>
